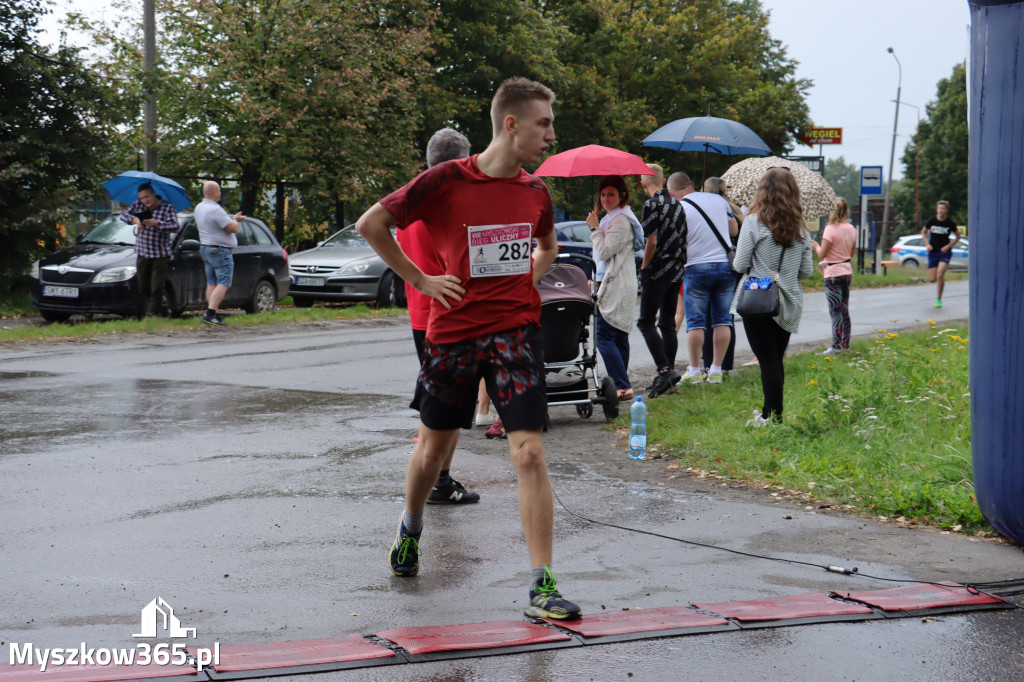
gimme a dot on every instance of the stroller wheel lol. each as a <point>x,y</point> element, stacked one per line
<point>609,399</point>
<point>585,410</point>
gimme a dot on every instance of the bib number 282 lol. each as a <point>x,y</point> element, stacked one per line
<point>499,250</point>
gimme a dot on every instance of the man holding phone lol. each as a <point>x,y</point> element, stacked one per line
<point>155,222</point>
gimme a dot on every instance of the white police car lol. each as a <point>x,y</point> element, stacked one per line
<point>910,251</point>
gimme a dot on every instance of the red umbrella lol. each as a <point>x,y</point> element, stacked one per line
<point>593,159</point>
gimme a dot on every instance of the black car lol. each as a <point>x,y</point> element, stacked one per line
<point>97,275</point>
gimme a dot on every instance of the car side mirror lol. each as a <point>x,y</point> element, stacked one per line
<point>190,245</point>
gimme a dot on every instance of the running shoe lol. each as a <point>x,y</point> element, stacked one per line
<point>496,430</point>
<point>697,378</point>
<point>214,319</point>
<point>938,303</point>
<point>453,493</point>
<point>547,602</point>
<point>714,377</point>
<point>404,557</point>
<point>484,418</point>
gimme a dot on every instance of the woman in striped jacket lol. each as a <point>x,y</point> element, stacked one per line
<point>774,240</point>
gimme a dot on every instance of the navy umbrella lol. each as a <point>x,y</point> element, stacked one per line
<point>125,188</point>
<point>708,134</point>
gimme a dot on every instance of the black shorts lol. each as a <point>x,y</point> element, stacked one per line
<point>510,362</point>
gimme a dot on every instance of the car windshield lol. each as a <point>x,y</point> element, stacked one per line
<point>347,238</point>
<point>111,230</point>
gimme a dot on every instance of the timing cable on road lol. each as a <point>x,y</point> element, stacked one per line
<point>1002,588</point>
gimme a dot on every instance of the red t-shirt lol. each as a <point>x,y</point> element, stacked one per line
<point>415,242</point>
<point>456,200</point>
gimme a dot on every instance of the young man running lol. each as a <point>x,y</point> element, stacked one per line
<point>936,233</point>
<point>483,213</point>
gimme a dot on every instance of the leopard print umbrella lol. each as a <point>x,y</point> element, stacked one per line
<point>816,196</point>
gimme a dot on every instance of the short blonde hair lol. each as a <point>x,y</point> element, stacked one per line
<point>512,96</point>
<point>658,177</point>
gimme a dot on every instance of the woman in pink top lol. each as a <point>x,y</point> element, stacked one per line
<point>835,251</point>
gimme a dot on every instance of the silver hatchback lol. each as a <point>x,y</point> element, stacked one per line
<point>344,267</point>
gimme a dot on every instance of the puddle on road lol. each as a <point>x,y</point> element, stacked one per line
<point>48,415</point>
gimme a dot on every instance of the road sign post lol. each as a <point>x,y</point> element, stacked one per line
<point>870,184</point>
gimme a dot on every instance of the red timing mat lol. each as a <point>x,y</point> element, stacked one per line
<point>784,608</point>
<point>501,633</point>
<point>297,653</point>
<point>916,597</point>
<point>638,620</point>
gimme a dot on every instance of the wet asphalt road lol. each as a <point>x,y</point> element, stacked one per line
<point>254,482</point>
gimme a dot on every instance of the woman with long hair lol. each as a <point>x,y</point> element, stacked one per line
<point>838,242</point>
<point>612,238</point>
<point>774,240</point>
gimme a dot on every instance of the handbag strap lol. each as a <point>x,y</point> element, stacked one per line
<point>778,270</point>
<point>708,221</point>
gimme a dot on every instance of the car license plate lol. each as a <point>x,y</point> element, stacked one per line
<point>310,281</point>
<point>61,292</point>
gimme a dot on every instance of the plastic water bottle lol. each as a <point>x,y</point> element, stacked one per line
<point>638,430</point>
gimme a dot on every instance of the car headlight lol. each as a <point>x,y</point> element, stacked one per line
<point>115,275</point>
<point>356,267</point>
<point>33,270</point>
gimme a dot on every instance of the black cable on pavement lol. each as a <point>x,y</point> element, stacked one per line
<point>1001,588</point>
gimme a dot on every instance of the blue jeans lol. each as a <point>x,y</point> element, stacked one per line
<point>219,263</point>
<point>613,345</point>
<point>707,294</point>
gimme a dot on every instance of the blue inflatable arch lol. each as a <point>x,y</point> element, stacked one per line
<point>996,213</point>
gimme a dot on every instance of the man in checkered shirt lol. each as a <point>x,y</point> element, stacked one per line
<point>155,222</point>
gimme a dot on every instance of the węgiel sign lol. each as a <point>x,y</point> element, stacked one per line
<point>813,136</point>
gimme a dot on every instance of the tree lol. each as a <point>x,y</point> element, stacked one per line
<point>52,137</point>
<point>944,150</point>
<point>306,91</point>
<point>844,179</point>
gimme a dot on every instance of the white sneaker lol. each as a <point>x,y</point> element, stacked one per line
<point>714,377</point>
<point>485,419</point>
<point>697,378</point>
<point>832,351</point>
<point>758,420</point>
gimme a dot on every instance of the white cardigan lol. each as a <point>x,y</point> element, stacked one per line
<point>616,297</point>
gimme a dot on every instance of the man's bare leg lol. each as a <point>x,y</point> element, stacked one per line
<point>694,343</point>
<point>433,451</point>
<point>536,504</point>
<point>940,279</point>
<point>721,337</point>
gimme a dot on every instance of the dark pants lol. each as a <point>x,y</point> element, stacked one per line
<point>837,293</point>
<point>769,341</point>
<point>613,345</point>
<point>658,300</point>
<point>152,275</point>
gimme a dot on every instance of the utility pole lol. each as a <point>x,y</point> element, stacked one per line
<point>882,242</point>
<point>149,60</point>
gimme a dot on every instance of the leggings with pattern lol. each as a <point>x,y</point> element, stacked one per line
<point>837,293</point>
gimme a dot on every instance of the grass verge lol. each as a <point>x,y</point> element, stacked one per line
<point>897,276</point>
<point>89,329</point>
<point>883,430</point>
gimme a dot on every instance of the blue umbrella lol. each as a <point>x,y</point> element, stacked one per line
<point>125,188</point>
<point>708,134</point>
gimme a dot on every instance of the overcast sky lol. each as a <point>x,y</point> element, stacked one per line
<point>841,46</point>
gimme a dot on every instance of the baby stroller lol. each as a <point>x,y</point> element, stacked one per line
<point>570,357</point>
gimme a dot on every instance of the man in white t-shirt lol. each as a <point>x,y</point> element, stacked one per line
<point>709,281</point>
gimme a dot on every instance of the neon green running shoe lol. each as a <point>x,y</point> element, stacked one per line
<point>404,557</point>
<point>547,602</point>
